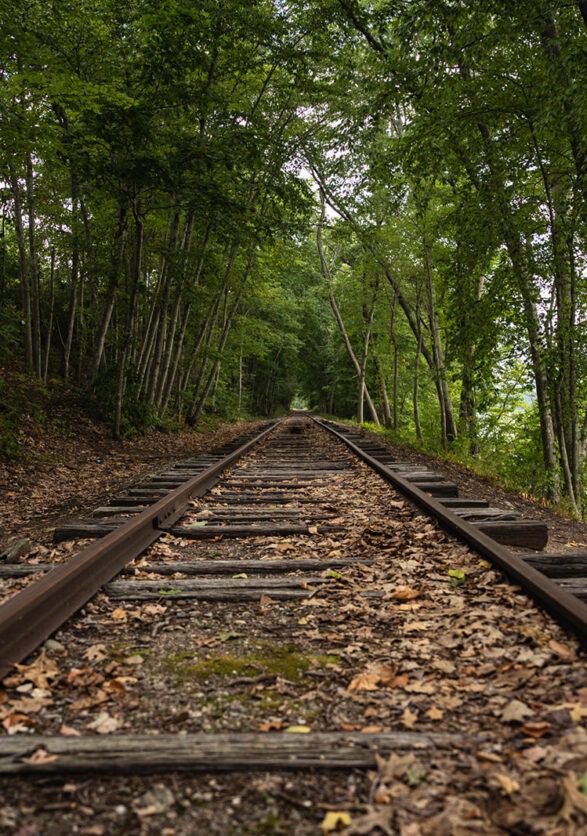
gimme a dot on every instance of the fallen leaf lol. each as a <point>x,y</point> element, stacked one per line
<point>575,799</point>
<point>562,650</point>
<point>409,718</point>
<point>135,660</point>
<point>68,731</point>
<point>104,724</point>
<point>403,593</point>
<point>508,785</point>
<point>435,713</point>
<point>271,725</point>
<point>96,653</point>
<point>332,573</point>
<point>492,757</point>
<point>334,820</point>
<point>154,609</point>
<point>41,757</point>
<point>372,678</point>
<point>17,723</point>
<point>312,529</point>
<point>456,577</point>
<point>516,712</point>
<point>40,672</point>
<point>119,614</point>
<point>298,729</point>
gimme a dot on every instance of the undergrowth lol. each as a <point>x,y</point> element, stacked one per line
<point>511,471</point>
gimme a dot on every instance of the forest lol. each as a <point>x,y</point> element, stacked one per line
<point>375,209</point>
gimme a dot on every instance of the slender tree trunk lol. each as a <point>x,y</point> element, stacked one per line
<point>196,413</point>
<point>416,390</point>
<point>23,269</point>
<point>132,308</point>
<point>337,315</point>
<point>110,298</point>
<point>50,319</point>
<point>34,266</point>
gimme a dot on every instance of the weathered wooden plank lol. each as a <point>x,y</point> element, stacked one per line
<point>529,534</point>
<point>114,510</point>
<point>78,529</point>
<point>172,591</point>
<point>205,532</point>
<point>561,565</point>
<point>126,589</point>
<point>438,488</point>
<point>251,567</point>
<point>20,548</point>
<point>578,586</point>
<point>486,514</point>
<point>262,484</point>
<point>422,476</point>
<point>20,570</point>
<point>451,502</point>
<point>247,498</point>
<point>135,754</point>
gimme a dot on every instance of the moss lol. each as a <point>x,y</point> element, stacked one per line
<point>286,661</point>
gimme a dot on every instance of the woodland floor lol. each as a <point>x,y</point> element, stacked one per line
<point>478,660</point>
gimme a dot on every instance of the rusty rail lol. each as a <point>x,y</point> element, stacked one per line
<point>562,604</point>
<point>31,616</point>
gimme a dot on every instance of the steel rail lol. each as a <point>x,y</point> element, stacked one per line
<point>31,616</point>
<point>562,604</point>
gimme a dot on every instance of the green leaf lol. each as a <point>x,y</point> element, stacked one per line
<point>582,785</point>
<point>332,573</point>
<point>457,576</point>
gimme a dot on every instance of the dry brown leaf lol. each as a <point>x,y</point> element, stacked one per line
<point>40,757</point>
<point>535,754</point>
<point>508,784</point>
<point>434,713</point>
<point>492,757</point>
<point>96,653</point>
<point>154,609</point>
<point>119,614</point>
<point>17,723</point>
<point>68,731</point>
<point>516,712</point>
<point>561,650</point>
<point>403,593</point>
<point>84,677</point>
<point>40,672</point>
<point>575,800</point>
<point>30,705</point>
<point>409,718</point>
<point>271,725</point>
<point>104,723</point>
<point>372,678</point>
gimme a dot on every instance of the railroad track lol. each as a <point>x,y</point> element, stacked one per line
<point>226,531</point>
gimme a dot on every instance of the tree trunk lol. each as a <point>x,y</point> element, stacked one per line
<point>33,266</point>
<point>110,298</point>
<point>23,268</point>
<point>50,319</point>
<point>337,315</point>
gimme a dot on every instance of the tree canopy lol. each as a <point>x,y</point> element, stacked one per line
<point>374,208</point>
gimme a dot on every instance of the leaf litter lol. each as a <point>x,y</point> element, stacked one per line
<point>446,646</point>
